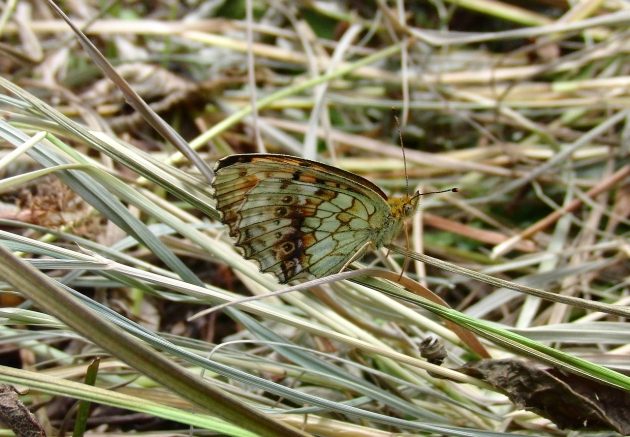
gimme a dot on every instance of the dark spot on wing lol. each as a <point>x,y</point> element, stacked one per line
<point>281,211</point>
<point>288,247</point>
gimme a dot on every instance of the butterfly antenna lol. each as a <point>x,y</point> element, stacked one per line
<point>448,190</point>
<point>403,152</point>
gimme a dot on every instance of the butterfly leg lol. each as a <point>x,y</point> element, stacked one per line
<point>358,255</point>
<point>406,261</point>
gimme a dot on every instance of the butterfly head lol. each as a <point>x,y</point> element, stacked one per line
<point>403,207</point>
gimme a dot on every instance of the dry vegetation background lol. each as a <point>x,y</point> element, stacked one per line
<point>522,105</point>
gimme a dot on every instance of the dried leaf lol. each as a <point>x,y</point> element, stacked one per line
<point>569,401</point>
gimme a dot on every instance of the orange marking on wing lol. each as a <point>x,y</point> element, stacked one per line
<point>308,179</point>
<point>324,195</point>
<point>246,183</point>
<point>308,239</point>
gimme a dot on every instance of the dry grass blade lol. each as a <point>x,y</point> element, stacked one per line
<point>46,293</point>
<point>521,105</point>
<point>134,99</point>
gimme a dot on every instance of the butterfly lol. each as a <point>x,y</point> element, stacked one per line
<point>301,219</point>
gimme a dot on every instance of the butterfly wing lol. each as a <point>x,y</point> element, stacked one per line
<point>298,219</point>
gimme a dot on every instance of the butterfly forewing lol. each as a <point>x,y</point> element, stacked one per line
<point>298,219</point>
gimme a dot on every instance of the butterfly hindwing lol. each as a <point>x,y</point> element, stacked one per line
<point>298,219</point>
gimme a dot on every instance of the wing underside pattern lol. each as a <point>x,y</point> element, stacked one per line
<point>297,219</point>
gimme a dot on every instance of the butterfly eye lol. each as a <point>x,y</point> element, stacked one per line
<point>407,209</point>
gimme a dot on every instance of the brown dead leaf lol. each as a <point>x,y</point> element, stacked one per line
<point>568,400</point>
